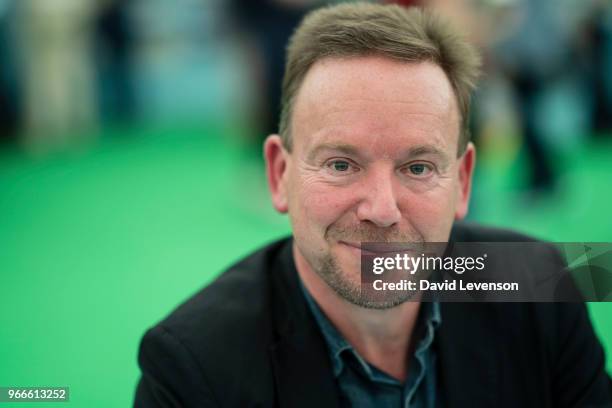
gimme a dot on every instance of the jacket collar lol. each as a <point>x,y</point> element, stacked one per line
<point>302,369</point>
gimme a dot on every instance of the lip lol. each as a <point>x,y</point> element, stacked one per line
<point>352,245</point>
<point>378,248</point>
<point>354,248</point>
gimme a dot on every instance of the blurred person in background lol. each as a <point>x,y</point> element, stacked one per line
<point>184,64</point>
<point>541,52</point>
<point>114,42</point>
<point>9,89</point>
<point>601,58</point>
<point>546,81</point>
<point>55,40</point>
<point>268,25</point>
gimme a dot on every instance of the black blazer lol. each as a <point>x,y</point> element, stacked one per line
<point>249,340</point>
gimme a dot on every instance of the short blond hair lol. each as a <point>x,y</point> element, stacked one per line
<point>363,29</point>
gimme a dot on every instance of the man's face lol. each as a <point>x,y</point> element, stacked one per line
<point>374,159</point>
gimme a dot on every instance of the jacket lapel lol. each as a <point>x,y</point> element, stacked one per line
<point>302,368</point>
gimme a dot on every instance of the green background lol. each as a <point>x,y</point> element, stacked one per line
<point>99,244</point>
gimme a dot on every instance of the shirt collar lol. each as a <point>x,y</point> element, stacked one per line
<point>430,318</point>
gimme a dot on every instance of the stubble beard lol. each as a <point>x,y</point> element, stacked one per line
<point>339,280</point>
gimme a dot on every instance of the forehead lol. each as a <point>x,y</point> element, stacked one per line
<point>375,97</point>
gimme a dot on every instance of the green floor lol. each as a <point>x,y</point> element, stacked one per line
<point>96,246</point>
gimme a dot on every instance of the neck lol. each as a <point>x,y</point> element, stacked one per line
<point>381,336</point>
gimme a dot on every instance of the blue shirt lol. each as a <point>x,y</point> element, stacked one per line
<point>363,385</point>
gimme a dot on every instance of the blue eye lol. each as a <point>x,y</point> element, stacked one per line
<point>341,165</point>
<point>417,169</point>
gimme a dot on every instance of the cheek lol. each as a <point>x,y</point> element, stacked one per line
<point>431,214</point>
<point>316,205</point>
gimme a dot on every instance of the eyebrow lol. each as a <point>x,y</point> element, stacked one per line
<point>350,150</point>
<point>346,149</point>
<point>419,151</point>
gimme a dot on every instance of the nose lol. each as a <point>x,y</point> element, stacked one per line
<point>379,205</point>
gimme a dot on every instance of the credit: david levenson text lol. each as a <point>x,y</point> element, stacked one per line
<point>447,285</point>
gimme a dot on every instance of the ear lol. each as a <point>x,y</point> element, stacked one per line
<point>466,171</point>
<point>276,170</point>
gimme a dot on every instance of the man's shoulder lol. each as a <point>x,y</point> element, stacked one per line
<point>224,329</point>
